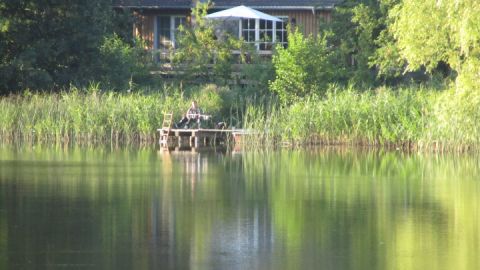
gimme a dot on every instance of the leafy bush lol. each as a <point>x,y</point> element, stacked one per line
<point>257,74</point>
<point>122,63</point>
<point>302,68</point>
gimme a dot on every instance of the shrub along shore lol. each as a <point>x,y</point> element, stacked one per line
<point>406,118</point>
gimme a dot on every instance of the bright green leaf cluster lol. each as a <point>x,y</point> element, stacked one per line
<point>430,32</point>
<point>302,68</point>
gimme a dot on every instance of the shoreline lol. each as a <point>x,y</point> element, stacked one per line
<point>153,141</point>
<point>410,119</point>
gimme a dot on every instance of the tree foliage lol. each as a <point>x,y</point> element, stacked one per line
<point>121,63</point>
<point>302,68</point>
<point>351,34</point>
<point>386,58</point>
<point>47,44</point>
<point>364,50</point>
<point>201,54</point>
<point>432,32</point>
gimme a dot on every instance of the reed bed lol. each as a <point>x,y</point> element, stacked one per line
<point>407,118</point>
<point>92,116</point>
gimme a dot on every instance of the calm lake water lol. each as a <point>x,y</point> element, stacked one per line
<point>316,209</point>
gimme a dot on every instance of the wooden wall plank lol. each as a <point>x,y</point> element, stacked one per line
<point>144,27</point>
<point>305,19</point>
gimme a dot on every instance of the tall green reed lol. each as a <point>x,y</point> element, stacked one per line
<point>91,115</point>
<point>454,123</point>
<point>405,117</point>
<point>373,117</point>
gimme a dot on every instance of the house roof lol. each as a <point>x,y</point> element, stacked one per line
<point>278,4</point>
<point>221,4</point>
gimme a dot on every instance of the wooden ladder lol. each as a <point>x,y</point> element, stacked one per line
<point>166,126</point>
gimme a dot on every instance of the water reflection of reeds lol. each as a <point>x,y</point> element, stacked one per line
<point>338,207</point>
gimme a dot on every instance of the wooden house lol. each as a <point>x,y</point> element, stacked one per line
<point>157,20</point>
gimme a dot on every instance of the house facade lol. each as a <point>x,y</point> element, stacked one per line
<point>157,20</point>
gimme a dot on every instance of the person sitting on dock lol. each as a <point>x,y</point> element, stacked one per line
<point>193,114</point>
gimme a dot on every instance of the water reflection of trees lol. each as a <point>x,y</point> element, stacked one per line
<point>281,210</point>
<point>373,210</point>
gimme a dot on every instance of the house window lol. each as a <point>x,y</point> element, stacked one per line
<point>177,21</point>
<point>266,35</point>
<point>164,36</point>
<point>166,31</point>
<point>281,31</point>
<point>263,33</point>
<point>248,30</point>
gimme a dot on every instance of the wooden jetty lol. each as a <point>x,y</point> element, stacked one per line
<point>197,137</point>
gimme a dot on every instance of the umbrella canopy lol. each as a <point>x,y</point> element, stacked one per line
<point>242,12</point>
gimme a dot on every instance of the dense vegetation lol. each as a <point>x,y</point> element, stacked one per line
<point>380,72</point>
<point>48,44</point>
<point>89,115</point>
<point>404,117</point>
<point>410,118</point>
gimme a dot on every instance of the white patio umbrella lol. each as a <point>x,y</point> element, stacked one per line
<point>241,12</point>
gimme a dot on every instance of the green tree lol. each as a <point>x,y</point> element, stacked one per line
<point>432,32</point>
<point>352,32</point>
<point>203,55</point>
<point>364,50</point>
<point>386,58</point>
<point>47,44</point>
